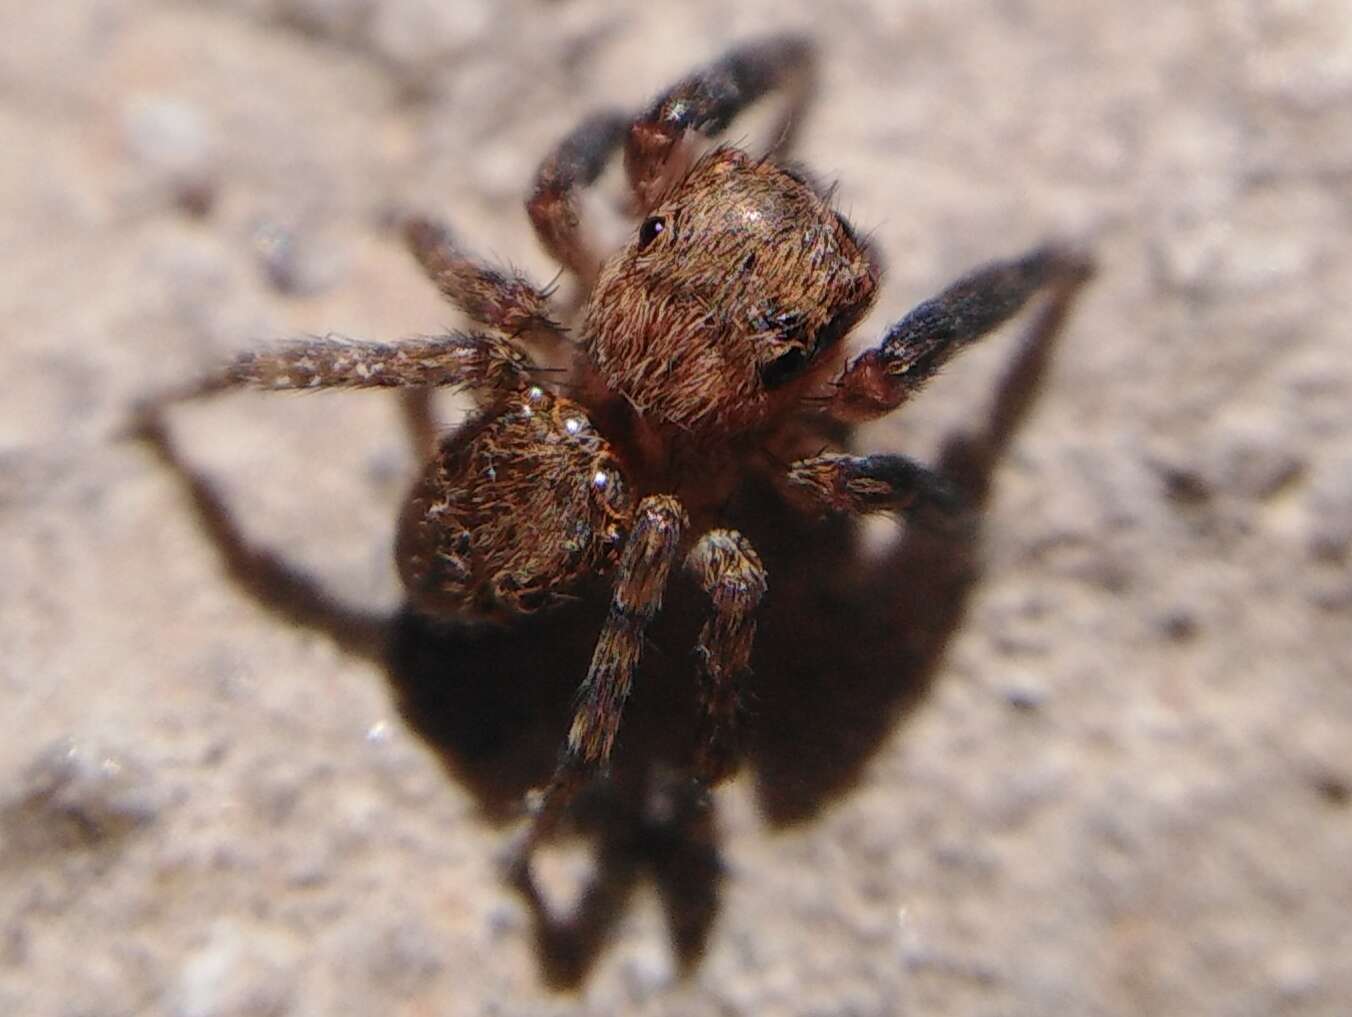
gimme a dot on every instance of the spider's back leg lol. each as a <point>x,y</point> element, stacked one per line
<point>489,366</point>
<point>650,551</point>
<point>730,572</point>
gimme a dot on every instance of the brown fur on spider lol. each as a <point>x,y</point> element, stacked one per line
<point>710,352</point>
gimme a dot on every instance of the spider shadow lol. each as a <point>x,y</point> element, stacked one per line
<point>847,648</point>
<point>852,646</point>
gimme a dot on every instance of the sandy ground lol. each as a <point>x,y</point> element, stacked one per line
<point>1122,785</point>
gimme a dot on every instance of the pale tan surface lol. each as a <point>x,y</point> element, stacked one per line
<point>1167,831</point>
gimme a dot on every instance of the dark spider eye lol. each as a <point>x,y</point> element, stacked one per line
<point>785,367</point>
<point>650,230</point>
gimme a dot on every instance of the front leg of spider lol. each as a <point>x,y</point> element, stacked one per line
<point>708,100</point>
<point>915,348</point>
<point>859,485</point>
<point>554,204</point>
<point>649,553</point>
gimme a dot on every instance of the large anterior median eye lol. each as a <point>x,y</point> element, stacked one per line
<point>785,367</point>
<point>652,228</point>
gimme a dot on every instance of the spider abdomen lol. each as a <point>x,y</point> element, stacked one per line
<point>512,511</point>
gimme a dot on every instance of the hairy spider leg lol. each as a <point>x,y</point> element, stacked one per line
<point>730,573</point>
<point>645,565</point>
<point>489,366</point>
<point>709,99</point>
<point>858,485</point>
<point>492,367</point>
<point>706,101</point>
<point>506,302</point>
<point>912,350</point>
<point>553,205</point>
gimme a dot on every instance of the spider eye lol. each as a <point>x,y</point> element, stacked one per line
<point>650,230</point>
<point>785,367</point>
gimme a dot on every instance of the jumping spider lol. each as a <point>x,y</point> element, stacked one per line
<point>709,352</point>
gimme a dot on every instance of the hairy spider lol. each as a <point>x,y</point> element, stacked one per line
<point>709,352</point>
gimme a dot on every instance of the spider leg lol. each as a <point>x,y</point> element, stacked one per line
<point>487,365</point>
<point>649,553</point>
<point>572,166</point>
<point>729,571</point>
<point>912,351</point>
<point>505,302</point>
<point>709,99</point>
<point>858,485</point>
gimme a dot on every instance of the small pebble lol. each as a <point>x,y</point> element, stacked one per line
<point>171,140</point>
<point>296,262</point>
<point>1178,625</point>
<point>1256,460</point>
<point>76,794</point>
<point>238,971</point>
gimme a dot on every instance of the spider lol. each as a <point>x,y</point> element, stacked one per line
<point>708,353</point>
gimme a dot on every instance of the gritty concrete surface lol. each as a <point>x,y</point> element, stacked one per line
<point>1127,789</point>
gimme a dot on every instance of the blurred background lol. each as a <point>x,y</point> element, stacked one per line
<point>1127,786</point>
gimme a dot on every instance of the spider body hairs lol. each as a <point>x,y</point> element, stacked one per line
<point>710,350</point>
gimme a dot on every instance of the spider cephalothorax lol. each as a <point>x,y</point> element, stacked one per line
<point>709,355</point>
<point>729,302</point>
